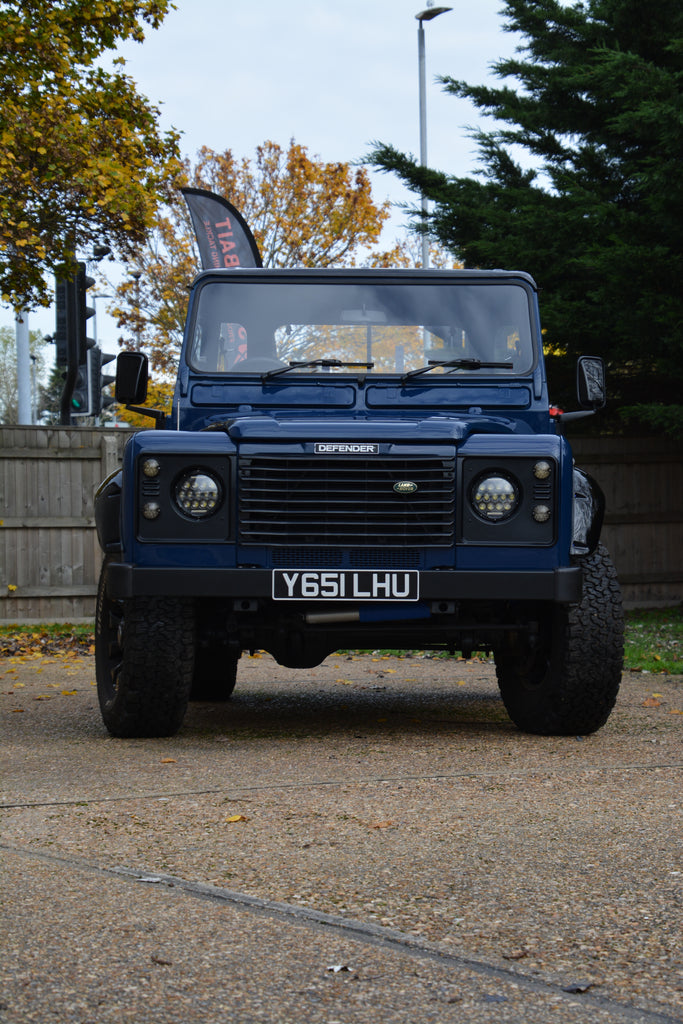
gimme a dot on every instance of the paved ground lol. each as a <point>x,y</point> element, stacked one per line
<point>369,840</point>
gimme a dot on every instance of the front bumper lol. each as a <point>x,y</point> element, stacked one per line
<point>563,585</point>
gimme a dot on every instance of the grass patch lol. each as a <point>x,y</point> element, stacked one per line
<point>51,638</point>
<point>653,641</point>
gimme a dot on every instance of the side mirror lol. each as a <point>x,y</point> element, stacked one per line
<point>131,378</point>
<point>590,382</point>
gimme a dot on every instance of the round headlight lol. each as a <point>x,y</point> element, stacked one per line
<point>198,494</point>
<point>494,496</point>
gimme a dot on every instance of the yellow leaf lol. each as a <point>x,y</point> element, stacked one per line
<point>236,817</point>
<point>168,760</point>
<point>69,693</point>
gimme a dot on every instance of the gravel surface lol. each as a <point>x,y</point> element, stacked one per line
<point>376,814</point>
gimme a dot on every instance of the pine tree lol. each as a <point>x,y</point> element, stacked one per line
<point>595,212</point>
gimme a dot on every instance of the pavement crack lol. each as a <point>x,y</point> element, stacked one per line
<point>355,930</point>
<point>370,780</point>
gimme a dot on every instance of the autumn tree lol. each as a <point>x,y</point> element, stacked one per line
<point>82,160</point>
<point>302,211</point>
<point>595,210</point>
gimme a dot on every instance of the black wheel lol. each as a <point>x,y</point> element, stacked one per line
<point>568,684</point>
<point>144,655</point>
<point>215,673</point>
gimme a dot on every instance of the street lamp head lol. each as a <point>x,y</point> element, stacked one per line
<point>432,12</point>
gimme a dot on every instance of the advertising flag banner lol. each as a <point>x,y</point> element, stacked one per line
<point>223,235</point>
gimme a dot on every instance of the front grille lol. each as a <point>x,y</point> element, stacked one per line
<point>346,502</point>
<point>341,558</point>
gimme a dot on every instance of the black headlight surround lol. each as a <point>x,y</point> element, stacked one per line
<point>520,528</point>
<point>170,523</point>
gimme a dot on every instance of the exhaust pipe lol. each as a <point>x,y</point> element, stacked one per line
<point>370,613</point>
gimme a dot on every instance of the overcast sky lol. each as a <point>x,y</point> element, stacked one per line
<point>335,76</point>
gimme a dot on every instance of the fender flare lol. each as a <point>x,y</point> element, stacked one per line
<point>108,513</point>
<point>588,513</point>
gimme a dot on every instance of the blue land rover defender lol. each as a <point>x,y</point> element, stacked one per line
<point>355,459</point>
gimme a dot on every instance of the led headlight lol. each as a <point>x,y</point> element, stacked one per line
<point>494,497</point>
<point>198,494</point>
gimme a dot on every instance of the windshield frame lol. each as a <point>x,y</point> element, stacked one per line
<point>268,281</point>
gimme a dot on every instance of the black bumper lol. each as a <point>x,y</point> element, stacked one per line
<point>559,585</point>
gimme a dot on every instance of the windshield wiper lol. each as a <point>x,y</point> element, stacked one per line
<point>456,364</point>
<point>336,363</point>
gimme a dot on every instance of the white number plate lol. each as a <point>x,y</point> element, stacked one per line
<point>345,585</point>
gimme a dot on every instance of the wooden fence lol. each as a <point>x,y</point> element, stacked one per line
<point>49,555</point>
<point>643,483</point>
<point>50,559</point>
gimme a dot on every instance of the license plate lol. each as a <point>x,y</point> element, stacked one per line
<point>345,585</point>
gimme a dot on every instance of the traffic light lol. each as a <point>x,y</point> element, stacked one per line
<point>65,295</point>
<point>80,396</point>
<point>98,380</point>
<point>84,312</point>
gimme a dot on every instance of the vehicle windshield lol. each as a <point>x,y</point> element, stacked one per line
<point>259,327</point>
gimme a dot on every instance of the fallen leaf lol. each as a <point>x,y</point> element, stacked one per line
<point>236,817</point>
<point>382,824</point>
<point>43,696</point>
<point>651,702</point>
<point>676,712</point>
<point>17,711</point>
<point>69,693</point>
<point>168,760</point>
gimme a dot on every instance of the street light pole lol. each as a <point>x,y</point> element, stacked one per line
<point>136,275</point>
<point>426,15</point>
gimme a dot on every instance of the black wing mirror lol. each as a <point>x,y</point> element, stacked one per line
<point>132,374</point>
<point>590,382</point>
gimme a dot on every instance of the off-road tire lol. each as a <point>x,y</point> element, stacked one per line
<point>215,674</point>
<point>144,656</point>
<point>568,685</point>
